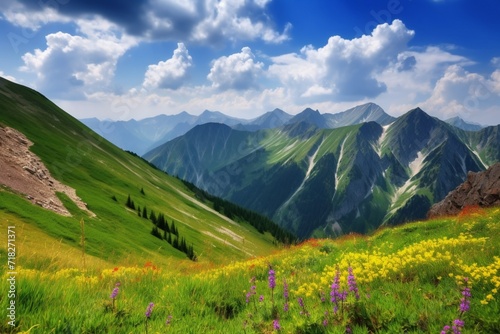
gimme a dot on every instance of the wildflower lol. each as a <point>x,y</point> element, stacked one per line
<point>114,294</point>
<point>285,295</point>
<point>351,281</point>
<point>457,326</point>
<point>465,301</point>
<point>348,330</point>
<point>272,278</point>
<point>149,310</point>
<point>322,296</point>
<point>303,307</point>
<point>169,320</point>
<point>251,293</point>
<point>325,320</point>
<point>261,298</point>
<point>445,329</point>
<point>272,282</point>
<point>115,291</point>
<point>335,294</point>
<point>276,325</point>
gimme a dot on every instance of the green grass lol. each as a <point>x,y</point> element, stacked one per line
<point>421,295</point>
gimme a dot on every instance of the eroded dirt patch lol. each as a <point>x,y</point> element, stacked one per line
<point>24,172</point>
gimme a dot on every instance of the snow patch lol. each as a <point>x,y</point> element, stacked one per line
<point>341,155</point>
<point>311,163</point>
<point>415,167</point>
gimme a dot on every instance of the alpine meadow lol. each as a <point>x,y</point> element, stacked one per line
<point>105,242</point>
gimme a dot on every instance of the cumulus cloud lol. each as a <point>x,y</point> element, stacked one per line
<point>238,71</point>
<point>209,21</point>
<point>71,66</point>
<point>8,77</point>
<point>469,95</point>
<point>171,73</point>
<point>343,69</point>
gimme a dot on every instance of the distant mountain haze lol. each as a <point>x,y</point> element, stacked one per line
<point>144,135</point>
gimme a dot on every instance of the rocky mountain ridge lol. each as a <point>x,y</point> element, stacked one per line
<point>479,189</point>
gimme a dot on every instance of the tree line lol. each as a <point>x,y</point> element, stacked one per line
<point>162,229</point>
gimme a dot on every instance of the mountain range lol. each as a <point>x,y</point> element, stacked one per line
<point>316,180</point>
<point>141,136</point>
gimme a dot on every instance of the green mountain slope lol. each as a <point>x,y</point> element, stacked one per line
<point>316,181</point>
<point>103,177</point>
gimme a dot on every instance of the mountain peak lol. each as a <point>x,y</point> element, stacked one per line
<point>458,122</point>
<point>309,116</point>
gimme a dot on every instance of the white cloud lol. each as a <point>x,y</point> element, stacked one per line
<point>238,71</point>
<point>8,77</point>
<point>346,68</point>
<point>237,20</point>
<point>19,15</point>
<point>71,66</point>
<point>171,73</point>
<point>207,21</point>
<point>469,95</point>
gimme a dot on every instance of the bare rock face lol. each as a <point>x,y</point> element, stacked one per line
<point>24,172</point>
<point>482,189</point>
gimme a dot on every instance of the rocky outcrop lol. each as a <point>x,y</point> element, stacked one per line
<point>482,189</point>
<point>24,172</point>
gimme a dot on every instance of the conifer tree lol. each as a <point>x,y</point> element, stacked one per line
<point>145,212</point>
<point>152,217</point>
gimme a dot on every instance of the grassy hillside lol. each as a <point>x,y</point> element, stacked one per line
<point>104,176</point>
<point>416,278</point>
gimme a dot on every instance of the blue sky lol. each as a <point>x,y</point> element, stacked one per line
<point>136,59</point>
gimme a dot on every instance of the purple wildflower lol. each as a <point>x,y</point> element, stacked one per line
<point>457,326</point>
<point>272,278</point>
<point>445,329</point>
<point>325,320</point>
<point>149,310</point>
<point>169,320</point>
<point>250,293</point>
<point>276,325</point>
<point>348,330</point>
<point>114,293</point>
<point>322,296</point>
<point>351,281</point>
<point>465,301</point>
<point>303,307</point>
<point>261,298</point>
<point>335,294</point>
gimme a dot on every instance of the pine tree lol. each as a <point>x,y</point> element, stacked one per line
<point>145,212</point>
<point>139,211</point>
<point>152,217</point>
<point>142,191</point>
<point>156,232</point>
<point>173,229</point>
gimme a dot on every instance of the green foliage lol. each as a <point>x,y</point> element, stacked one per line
<point>416,299</point>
